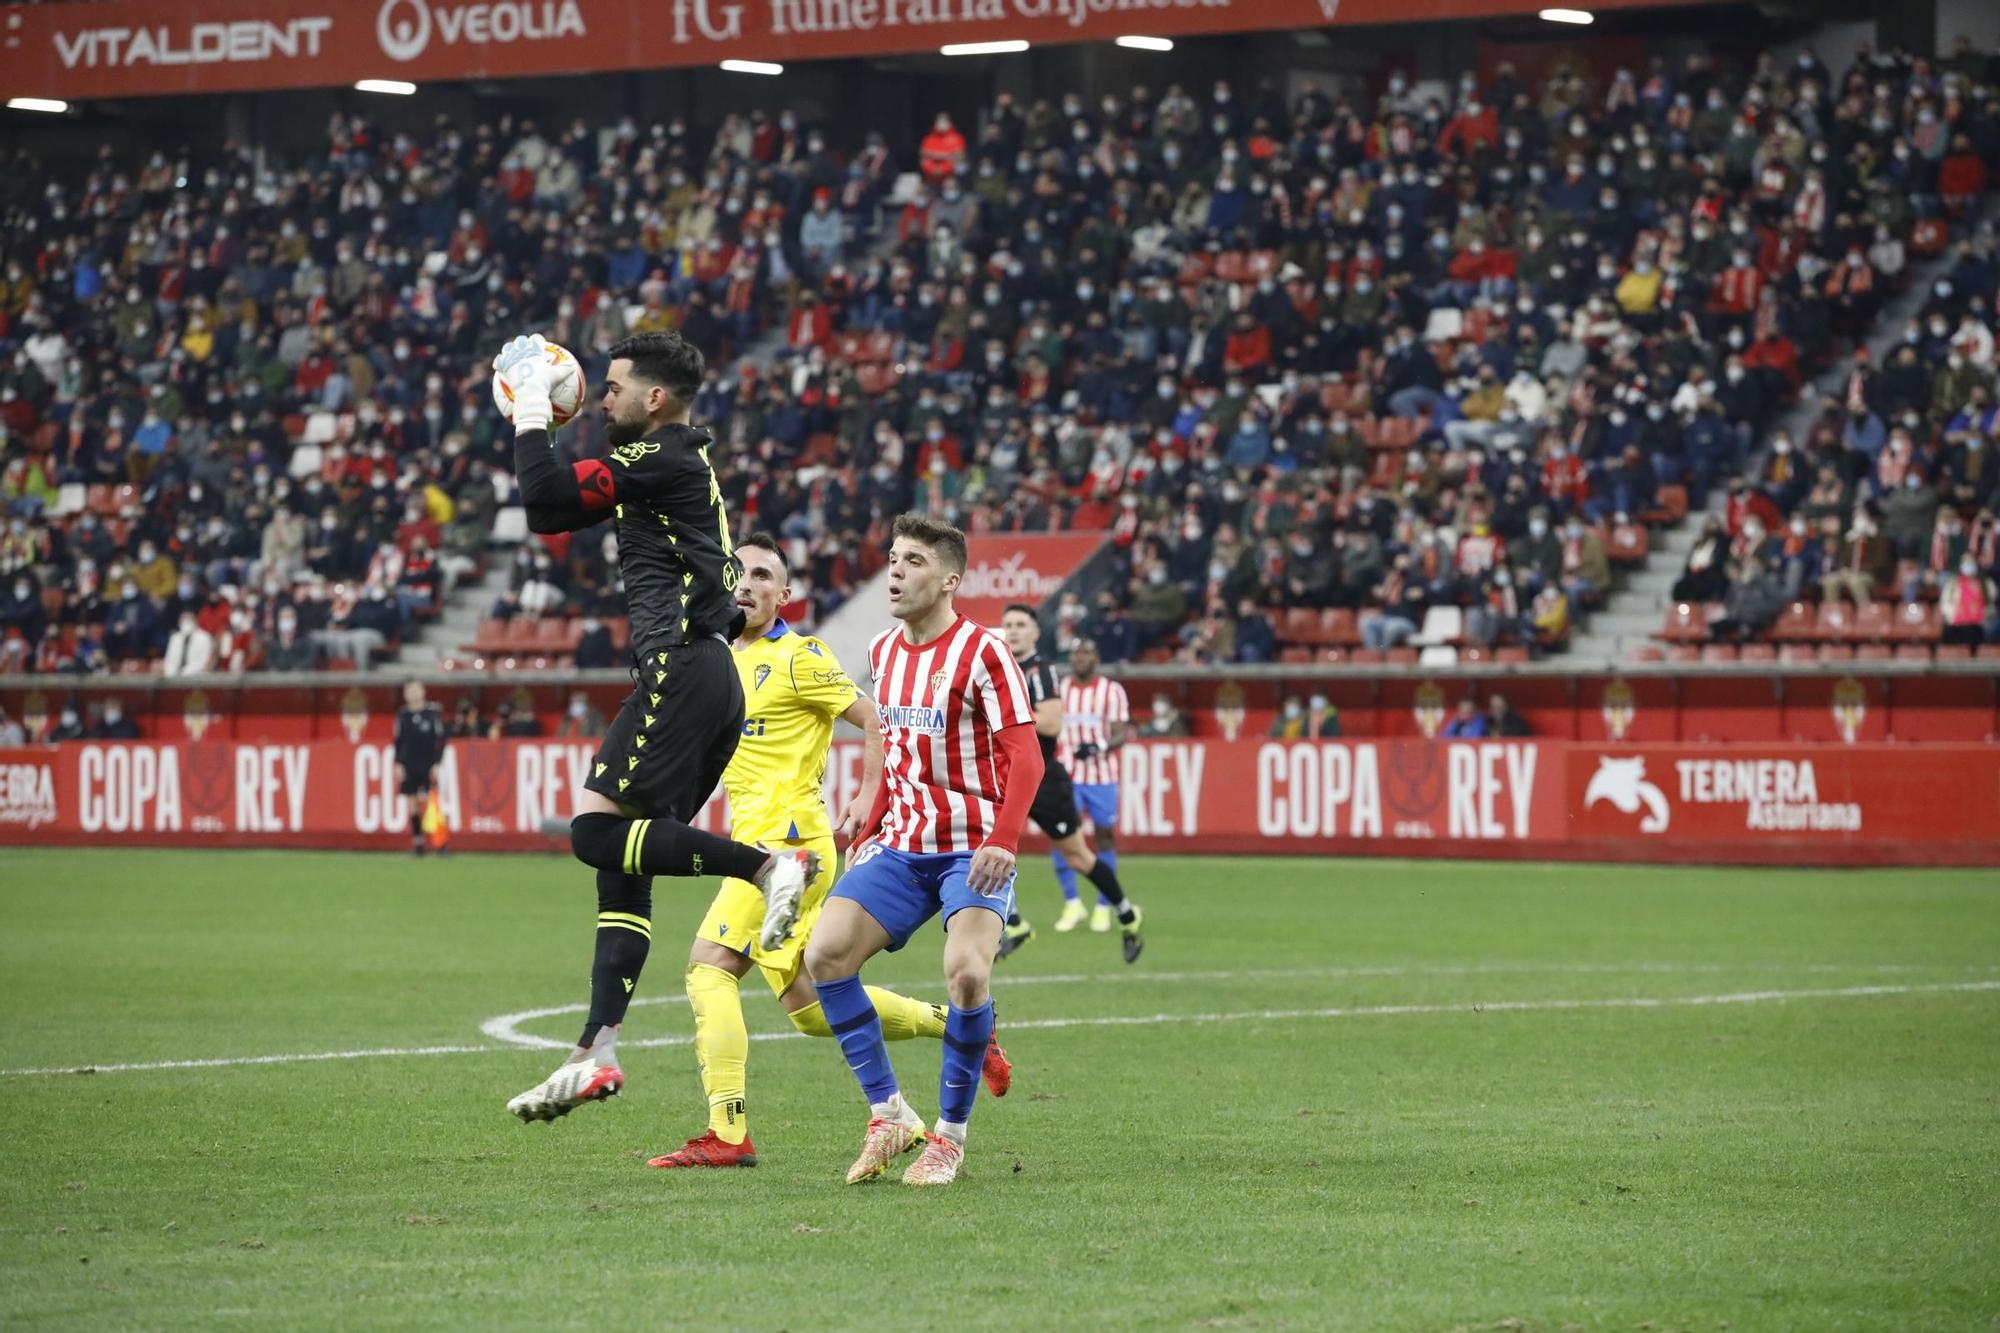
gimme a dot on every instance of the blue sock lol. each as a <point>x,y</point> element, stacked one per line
<point>1065,874</point>
<point>858,1029</point>
<point>1109,858</point>
<point>966,1032</point>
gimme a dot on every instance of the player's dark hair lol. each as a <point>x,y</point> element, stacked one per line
<point>764,541</point>
<point>941,537</point>
<point>1024,609</point>
<point>667,359</point>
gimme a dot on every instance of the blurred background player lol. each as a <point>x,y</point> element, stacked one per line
<point>1097,721</point>
<point>419,746</point>
<point>794,689</point>
<point>666,749</point>
<point>961,765</point>
<point>1054,811</point>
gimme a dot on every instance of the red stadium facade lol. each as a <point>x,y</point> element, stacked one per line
<point>126,48</point>
<point>1780,804</point>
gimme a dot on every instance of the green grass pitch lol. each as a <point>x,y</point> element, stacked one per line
<point>1333,1095</point>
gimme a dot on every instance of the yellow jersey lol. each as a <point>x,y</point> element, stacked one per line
<point>793,689</point>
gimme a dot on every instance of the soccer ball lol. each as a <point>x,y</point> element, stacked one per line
<point>565,388</point>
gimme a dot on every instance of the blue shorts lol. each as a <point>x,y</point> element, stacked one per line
<point>1099,800</point>
<point>902,890</point>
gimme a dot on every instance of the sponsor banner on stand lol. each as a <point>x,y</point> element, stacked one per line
<point>1837,803</point>
<point>1005,567</point>
<point>128,48</point>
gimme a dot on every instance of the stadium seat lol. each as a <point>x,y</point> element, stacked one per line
<point>491,638</point>
<point>1473,655</point>
<point>557,636</point>
<point>1401,656</point>
<point>1953,652</point>
<point>1300,625</point>
<point>880,348</point>
<point>1442,625</point>
<point>1627,544</point>
<point>1333,396</point>
<point>1295,653</point>
<point>1797,652</point>
<point>1835,623</point>
<point>1836,652</point>
<point>1874,623</point>
<point>1797,623</point>
<point>1916,623</point>
<point>1873,652</point>
<point>1511,653</point>
<point>1670,506</point>
<point>1367,657</point>
<point>1337,627</point>
<point>71,497</point>
<point>1438,655</point>
<point>1686,623</point>
<point>321,428</point>
<point>1683,652</point>
<point>306,461</point>
<point>1913,652</point>
<point>1758,652</point>
<point>1335,656</point>
<point>1718,652</point>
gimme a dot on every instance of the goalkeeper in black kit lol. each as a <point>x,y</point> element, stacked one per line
<point>665,751</point>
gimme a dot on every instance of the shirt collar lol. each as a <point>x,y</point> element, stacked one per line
<point>779,629</point>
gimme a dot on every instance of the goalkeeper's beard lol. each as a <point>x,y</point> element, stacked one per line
<point>619,430</point>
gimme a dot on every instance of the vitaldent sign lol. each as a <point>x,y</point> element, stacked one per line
<point>125,48</point>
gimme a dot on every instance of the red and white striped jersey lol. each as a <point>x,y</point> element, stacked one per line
<point>1088,712</point>
<point>941,704</point>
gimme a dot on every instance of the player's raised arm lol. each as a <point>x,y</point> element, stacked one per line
<point>557,498</point>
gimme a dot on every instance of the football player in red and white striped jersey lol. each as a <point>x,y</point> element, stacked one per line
<point>961,765</point>
<point>1097,721</point>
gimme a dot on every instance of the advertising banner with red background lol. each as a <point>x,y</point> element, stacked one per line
<point>128,48</point>
<point>1778,804</point>
<point>1004,567</point>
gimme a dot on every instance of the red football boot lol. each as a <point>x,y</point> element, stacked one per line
<point>996,1069</point>
<point>708,1150</point>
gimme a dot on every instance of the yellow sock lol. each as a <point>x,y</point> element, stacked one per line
<point>903,1017</point>
<point>722,1045</point>
<point>811,1020</point>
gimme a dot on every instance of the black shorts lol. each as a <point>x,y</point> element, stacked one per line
<point>417,783</point>
<point>665,751</point>
<point>1054,810</point>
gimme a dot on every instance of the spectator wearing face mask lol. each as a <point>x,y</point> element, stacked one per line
<point>1163,720</point>
<point>581,721</point>
<point>190,649</point>
<point>1968,609</point>
<point>1467,723</point>
<point>113,724</point>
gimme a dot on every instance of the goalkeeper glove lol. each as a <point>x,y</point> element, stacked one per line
<point>523,366</point>
<point>1087,750</point>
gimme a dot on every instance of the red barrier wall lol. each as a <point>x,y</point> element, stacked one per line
<point>1777,804</point>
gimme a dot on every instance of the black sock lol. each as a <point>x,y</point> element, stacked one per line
<point>1106,880</point>
<point>624,937</point>
<point>662,846</point>
<point>1013,920</point>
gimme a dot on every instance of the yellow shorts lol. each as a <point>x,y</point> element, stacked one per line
<point>738,913</point>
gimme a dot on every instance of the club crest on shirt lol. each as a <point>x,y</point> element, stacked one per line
<point>628,454</point>
<point>759,676</point>
<point>937,680</point>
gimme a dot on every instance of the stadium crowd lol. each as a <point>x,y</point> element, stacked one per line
<point>1445,346</point>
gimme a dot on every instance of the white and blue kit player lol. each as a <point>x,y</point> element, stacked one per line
<point>961,765</point>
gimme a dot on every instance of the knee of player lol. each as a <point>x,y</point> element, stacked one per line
<point>967,980</point>
<point>595,839</point>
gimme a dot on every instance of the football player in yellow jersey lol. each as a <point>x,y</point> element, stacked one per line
<point>793,689</point>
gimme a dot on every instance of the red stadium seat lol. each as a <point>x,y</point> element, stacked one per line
<point>1836,652</point>
<point>1401,657</point>
<point>1953,652</point>
<point>1874,623</point>
<point>1473,655</point>
<point>1913,652</point>
<point>880,349</point>
<point>1509,653</point>
<point>1686,623</point>
<point>1333,396</point>
<point>1335,656</point>
<point>1836,622</point>
<point>1295,653</point>
<point>1797,652</point>
<point>1916,623</point>
<point>1758,652</point>
<point>1337,627</point>
<point>1670,506</point>
<point>1300,625</point>
<point>1366,657</point>
<point>1795,624</point>
<point>492,637</point>
<point>558,636</point>
<point>1232,266</point>
<point>1683,652</point>
<point>1718,652</point>
<point>523,634</point>
<point>1644,652</point>
<point>1873,652</point>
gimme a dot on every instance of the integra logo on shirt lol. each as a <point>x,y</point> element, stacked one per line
<point>919,718</point>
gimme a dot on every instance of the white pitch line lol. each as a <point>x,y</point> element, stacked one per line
<point>506,1027</point>
<point>1132,1020</point>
